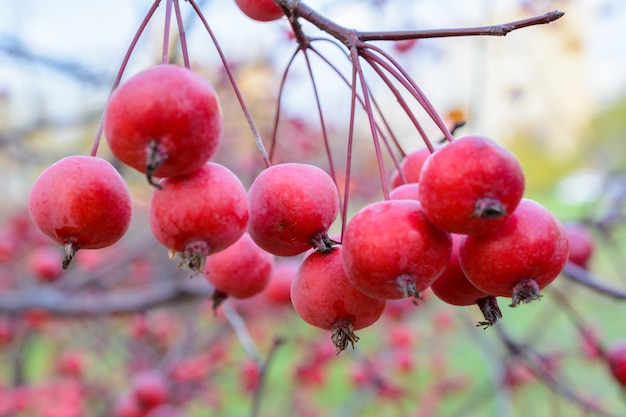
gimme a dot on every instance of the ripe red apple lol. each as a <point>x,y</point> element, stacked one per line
<point>292,206</point>
<point>164,121</point>
<point>470,186</point>
<point>390,250</point>
<point>81,202</point>
<point>199,214</point>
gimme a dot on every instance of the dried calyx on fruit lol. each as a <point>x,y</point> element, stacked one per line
<point>292,206</point>
<point>323,296</point>
<point>390,250</point>
<point>199,214</point>
<point>520,258</point>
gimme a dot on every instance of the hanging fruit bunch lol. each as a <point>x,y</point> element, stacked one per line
<point>453,216</point>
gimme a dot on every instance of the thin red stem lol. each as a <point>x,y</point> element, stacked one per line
<point>346,193</point>
<point>165,56</point>
<point>120,72</point>
<point>372,122</point>
<point>233,83</point>
<point>374,63</point>
<point>181,34</point>
<point>279,100</point>
<point>395,69</point>
<point>374,102</point>
<point>321,117</point>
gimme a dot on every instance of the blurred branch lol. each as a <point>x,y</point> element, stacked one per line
<point>260,389</point>
<point>536,362</point>
<point>55,301</point>
<point>241,330</point>
<point>13,47</point>
<point>584,277</point>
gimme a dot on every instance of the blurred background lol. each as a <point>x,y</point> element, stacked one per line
<point>552,94</point>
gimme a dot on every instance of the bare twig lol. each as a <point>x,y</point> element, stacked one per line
<point>260,389</point>
<point>584,277</point>
<point>61,303</point>
<point>241,330</point>
<point>502,29</point>
<point>534,360</point>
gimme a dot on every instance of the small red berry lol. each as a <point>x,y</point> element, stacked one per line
<point>616,357</point>
<point>261,10</point>
<point>150,389</point>
<point>470,186</point>
<point>453,287</point>
<point>279,288</point>
<point>242,270</point>
<point>390,250</point>
<point>405,192</point>
<point>199,214</point>
<point>292,206</point>
<point>520,258</point>
<point>164,121</point>
<point>581,244</point>
<point>410,167</point>
<point>323,297</point>
<point>81,202</point>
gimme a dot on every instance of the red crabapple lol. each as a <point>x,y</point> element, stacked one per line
<point>81,202</point>
<point>150,388</point>
<point>279,287</point>
<point>581,245</point>
<point>410,167</point>
<point>323,297</point>
<point>127,406</point>
<point>408,191</point>
<point>199,214</point>
<point>45,262</point>
<point>520,258</point>
<point>292,206</point>
<point>453,287</point>
<point>470,186</point>
<point>242,270</point>
<point>261,10</point>
<point>164,121</point>
<point>390,250</point>
<point>616,358</point>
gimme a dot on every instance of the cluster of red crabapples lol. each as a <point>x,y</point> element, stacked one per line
<point>455,222</point>
<point>502,244</point>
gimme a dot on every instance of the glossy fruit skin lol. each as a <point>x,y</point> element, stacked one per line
<point>531,245</point>
<point>581,245</point>
<point>242,270</point>
<point>470,186</point>
<point>81,200</point>
<point>208,206</point>
<point>411,167</point>
<point>172,106</point>
<point>322,295</point>
<point>290,205</point>
<point>392,240</point>
<point>261,10</point>
<point>453,287</point>
<point>616,358</point>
